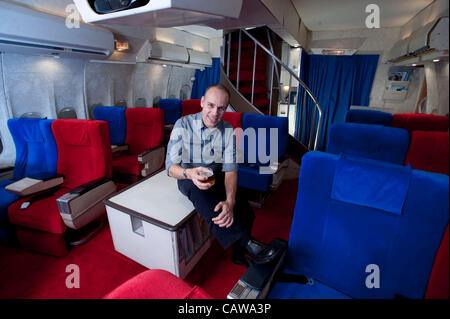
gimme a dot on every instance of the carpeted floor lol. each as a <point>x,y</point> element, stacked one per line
<point>26,274</point>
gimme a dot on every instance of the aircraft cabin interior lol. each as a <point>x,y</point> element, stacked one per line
<point>335,113</point>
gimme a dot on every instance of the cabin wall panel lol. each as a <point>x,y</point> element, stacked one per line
<point>8,154</point>
<point>108,83</point>
<point>179,77</point>
<point>37,84</point>
<point>151,82</point>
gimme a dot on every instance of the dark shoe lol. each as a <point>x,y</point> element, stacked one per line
<point>238,255</point>
<point>259,253</point>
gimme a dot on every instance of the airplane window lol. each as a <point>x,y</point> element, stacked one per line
<point>34,115</point>
<point>67,113</point>
<point>140,102</point>
<point>121,103</point>
<point>184,92</point>
<point>1,145</point>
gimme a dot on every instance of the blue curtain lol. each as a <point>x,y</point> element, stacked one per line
<point>337,82</point>
<point>205,78</point>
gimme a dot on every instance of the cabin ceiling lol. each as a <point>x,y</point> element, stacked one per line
<point>331,15</point>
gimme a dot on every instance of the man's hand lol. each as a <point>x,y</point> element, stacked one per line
<point>225,218</point>
<point>197,179</point>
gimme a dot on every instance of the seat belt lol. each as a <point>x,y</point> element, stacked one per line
<point>38,197</point>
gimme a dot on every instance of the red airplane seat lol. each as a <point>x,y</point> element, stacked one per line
<point>420,122</point>
<point>438,285</point>
<point>84,155</point>
<point>233,118</point>
<point>428,151</point>
<point>191,106</point>
<point>145,136</point>
<point>157,284</point>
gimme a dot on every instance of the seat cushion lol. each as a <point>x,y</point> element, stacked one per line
<point>127,164</point>
<point>41,215</point>
<point>157,284</point>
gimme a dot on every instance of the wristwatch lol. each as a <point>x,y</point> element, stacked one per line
<point>184,173</point>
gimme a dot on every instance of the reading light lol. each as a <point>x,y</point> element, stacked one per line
<point>436,60</point>
<point>121,46</point>
<point>414,64</point>
<point>333,52</point>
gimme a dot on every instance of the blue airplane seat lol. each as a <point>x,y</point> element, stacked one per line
<point>36,156</point>
<point>172,110</point>
<point>272,149</point>
<point>368,117</point>
<point>117,122</point>
<point>389,144</point>
<point>358,220</point>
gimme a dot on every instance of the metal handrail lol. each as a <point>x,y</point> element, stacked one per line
<point>292,74</point>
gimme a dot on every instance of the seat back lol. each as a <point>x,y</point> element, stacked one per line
<point>428,151</point>
<point>368,117</point>
<point>117,122</point>
<point>421,122</point>
<point>354,217</point>
<point>191,106</point>
<point>145,129</point>
<point>264,127</point>
<point>233,118</point>
<point>84,150</point>
<point>36,151</point>
<point>376,142</point>
<point>172,110</point>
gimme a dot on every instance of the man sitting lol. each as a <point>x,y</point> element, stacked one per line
<point>201,142</point>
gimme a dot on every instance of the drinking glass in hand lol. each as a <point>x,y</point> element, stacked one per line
<point>210,174</point>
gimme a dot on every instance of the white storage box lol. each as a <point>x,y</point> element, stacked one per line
<point>154,224</point>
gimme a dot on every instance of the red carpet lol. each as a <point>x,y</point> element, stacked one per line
<point>26,274</point>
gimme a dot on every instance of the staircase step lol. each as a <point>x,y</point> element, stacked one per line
<point>247,75</point>
<point>247,64</point>
<point>260,102</point>
<point>259,88</point>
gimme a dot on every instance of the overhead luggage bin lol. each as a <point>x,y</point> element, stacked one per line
<point>158,13</point>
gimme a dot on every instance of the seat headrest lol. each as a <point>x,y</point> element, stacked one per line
<point>72,132</point>
<point>371,183</point>
<point>368,117</point>
<point>420,122</point>
<point>371,141</point>
<point>143,115</point>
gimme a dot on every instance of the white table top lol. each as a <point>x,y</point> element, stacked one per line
<point>158,198</point>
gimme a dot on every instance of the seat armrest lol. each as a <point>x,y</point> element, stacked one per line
<point>119,148</point>
<point>84,203</point>
<point>153,159</point>
<point>31,185</point>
